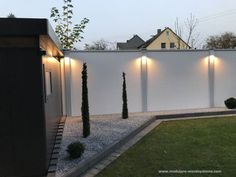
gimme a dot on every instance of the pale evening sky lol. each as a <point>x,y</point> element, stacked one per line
<point>118,20</point>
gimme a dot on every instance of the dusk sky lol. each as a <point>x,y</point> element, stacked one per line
<point>117,21</point>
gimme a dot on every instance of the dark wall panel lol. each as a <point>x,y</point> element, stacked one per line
<point>22,129</point>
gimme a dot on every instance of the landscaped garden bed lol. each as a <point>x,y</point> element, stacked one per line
<point>105,131</point>
<point>200,147</point>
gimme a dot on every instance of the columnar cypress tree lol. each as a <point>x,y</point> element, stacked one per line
<point>85,105</point>
<point>124,97</point>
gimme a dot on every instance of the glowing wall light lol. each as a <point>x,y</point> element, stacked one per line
<point>212,59</point>
<point>144,60</point>
<point>67,60</point>
<point>52,59</point>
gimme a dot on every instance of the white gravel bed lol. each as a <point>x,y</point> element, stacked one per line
<point>105,131</point>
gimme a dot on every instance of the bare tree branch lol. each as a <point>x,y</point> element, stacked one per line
<point>188,31</point>
<point>191,24</point>
<point>178,31</point>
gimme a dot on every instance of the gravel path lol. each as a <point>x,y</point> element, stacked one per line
<point>105,131</point>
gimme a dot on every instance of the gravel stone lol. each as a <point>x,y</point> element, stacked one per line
<point>105,131</point>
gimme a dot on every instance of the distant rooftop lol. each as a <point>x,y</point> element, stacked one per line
<point>154,37</point>
<point>132,43</point>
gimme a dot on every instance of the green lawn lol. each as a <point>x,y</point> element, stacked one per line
<point>200,144</point>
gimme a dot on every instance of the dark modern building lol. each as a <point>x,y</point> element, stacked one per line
<point>30,94</point>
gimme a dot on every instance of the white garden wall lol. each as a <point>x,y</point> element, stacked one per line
<point>178,80</point>
<point>175,79</point>
<point>225,76</point>
<point>105,81</point>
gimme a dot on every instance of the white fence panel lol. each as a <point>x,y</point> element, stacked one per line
<point>105,81</point>
<point>225,76</point>
<point>177,80</point>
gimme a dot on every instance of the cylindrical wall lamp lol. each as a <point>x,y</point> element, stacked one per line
<point>144,60</point>
<point>212,59</point>
<point>67,60</point>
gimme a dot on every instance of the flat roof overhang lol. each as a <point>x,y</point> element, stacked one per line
<point>26,27</point>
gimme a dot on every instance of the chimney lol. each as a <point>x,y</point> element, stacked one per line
<point>158,31</point>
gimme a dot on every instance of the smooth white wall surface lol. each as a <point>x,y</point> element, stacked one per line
<point>225,76</point>
<point>105,81</point>
<point>175,79</point>
<point>178,80</point>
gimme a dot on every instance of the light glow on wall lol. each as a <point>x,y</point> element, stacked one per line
<point>212,59</point>
<point>138,62</point>
<point>49,53</point>
<point>52,59</point>
<point>144,60</point>
<point>67,60</point>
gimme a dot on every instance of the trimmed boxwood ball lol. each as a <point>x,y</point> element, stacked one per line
<point>230,103</point>
<point>75,150</point>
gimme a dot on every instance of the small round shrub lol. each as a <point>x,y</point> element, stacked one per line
<point>230,103</point>
<point>75,150</point>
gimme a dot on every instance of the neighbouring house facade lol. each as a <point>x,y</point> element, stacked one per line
<point>164,39</point>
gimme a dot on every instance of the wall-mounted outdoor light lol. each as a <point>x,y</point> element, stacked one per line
<point>51,59</point>
<point>67,60</point>
<point>212,59</point>
<point>144,60</point>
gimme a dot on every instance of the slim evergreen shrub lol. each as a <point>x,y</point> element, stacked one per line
<point>125,113</point>
<point>85,104</point>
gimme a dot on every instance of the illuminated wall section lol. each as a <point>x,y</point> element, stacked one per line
<point>156,80</point>
<point>178,80</point>
<point>105,81</point>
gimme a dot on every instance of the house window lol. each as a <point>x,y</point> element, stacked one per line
<point>48,82</point>
<point>172,45</point>
<point>163,45</point>
<point>167,33</point>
